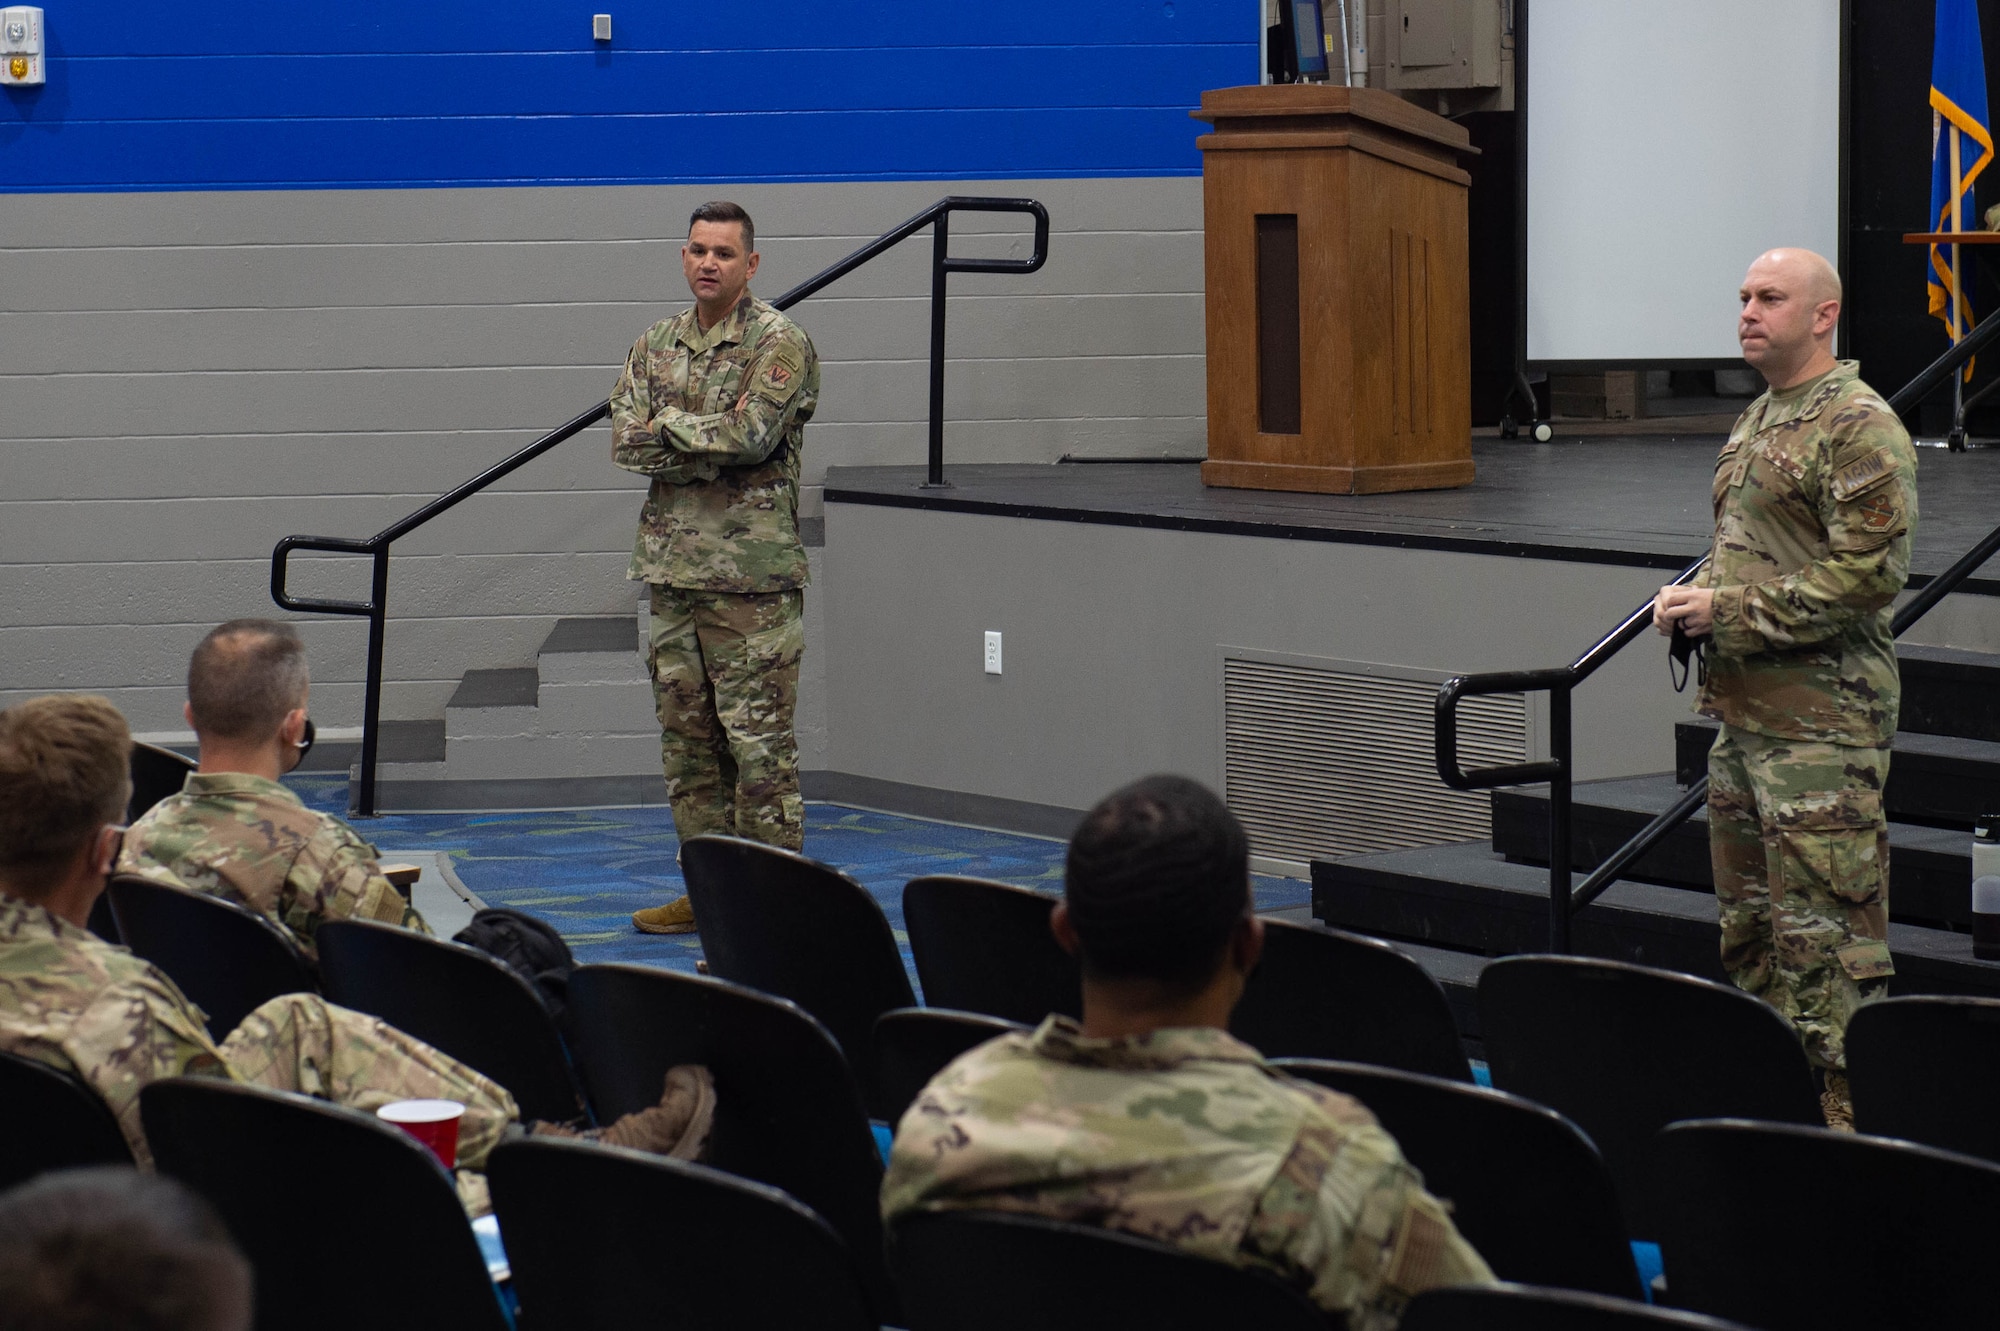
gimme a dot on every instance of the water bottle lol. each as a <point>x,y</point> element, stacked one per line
<point>1986,846</point>
<point>1986,917</point>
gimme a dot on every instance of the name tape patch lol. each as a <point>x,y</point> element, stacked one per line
<point>1861,473</point>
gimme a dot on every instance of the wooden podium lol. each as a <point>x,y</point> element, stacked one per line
<point>1339,335</point>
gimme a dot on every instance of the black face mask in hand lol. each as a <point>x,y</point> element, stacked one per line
<point>1680,647</point>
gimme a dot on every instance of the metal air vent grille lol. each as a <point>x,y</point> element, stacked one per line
<point>1321,763</point>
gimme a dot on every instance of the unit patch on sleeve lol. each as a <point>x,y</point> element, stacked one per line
<point>779,375</point>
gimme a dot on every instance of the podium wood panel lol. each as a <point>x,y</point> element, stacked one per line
<point>1384,338</point>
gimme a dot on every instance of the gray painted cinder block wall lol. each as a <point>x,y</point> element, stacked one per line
<point>1113,641</point>
<point>188,377</point>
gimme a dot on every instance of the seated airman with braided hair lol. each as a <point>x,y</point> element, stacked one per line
<point>1148,1116</point>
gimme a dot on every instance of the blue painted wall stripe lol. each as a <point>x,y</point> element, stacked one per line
<point>237,95</point>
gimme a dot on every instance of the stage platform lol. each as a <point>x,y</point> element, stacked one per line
<point>1636,501</point>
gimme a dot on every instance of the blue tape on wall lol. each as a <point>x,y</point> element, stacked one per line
<point>241,95</point>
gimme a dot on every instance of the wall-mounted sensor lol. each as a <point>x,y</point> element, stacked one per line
<point>600,27</point>
<point>21,47</point>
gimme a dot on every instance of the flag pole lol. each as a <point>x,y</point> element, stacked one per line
<point>1957,225</point>
<point>1957,438</point>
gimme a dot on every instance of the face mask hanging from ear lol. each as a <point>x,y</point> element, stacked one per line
<point>305,744</point>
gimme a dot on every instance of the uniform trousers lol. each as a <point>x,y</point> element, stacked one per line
<point>301,1042</point>
<point>1800,847</point>
<point>725,670</point>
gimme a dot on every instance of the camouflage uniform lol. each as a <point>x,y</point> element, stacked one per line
<point>1191,1138</point>
<point>75,1002</point>
<point>1815,503</point>
<point>251,841</point>
<point>717,419</point>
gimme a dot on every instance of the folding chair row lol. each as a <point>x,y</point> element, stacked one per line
<point>229,960</point>
<point>777,921</point>
<point>790,1116</point>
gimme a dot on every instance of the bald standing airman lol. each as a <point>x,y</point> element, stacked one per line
<point>1815,505</point>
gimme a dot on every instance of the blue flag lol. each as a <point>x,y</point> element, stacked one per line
<point>1961,146</point>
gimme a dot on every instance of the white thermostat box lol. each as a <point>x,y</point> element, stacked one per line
<point>21,46</point>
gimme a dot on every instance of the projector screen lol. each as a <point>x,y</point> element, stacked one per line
<point>1668,146</point>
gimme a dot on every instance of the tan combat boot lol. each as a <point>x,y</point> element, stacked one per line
<point>1836,1103</point>
<point>676,917</point>
<point>677,1126</point>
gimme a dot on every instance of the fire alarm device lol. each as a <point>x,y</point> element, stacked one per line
<point>21,46</point>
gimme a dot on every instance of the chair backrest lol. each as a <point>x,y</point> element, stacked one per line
<point>788,1111</point>
<point>609,1240</point>
<point>156,774</point>
<point>1624,1050</point>
<point>346,1220</point>
<point>225,958</point>
<point>982,946</point>
<point>1928,1222</point>
<point>50,1120</point>
<point>455,998</point>
<point>913,1044</point>
<point>796,928</point>
<point>1527,1189</point>
<point>1527,1308</point>
<point>994,1271</point>
<point>1927,1068</point>
<point>1321,993</point>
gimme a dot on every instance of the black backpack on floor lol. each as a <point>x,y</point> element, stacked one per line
<point>531,948</point>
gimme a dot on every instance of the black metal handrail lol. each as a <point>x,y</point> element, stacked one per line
<point>1558,682</point>
<point>374,609</point>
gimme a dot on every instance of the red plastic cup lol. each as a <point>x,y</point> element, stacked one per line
<point>432,1122</point>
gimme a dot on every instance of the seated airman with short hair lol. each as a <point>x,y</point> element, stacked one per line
<point>1149,1117</point>
<point>72,1001</point>
<point>235,831</point>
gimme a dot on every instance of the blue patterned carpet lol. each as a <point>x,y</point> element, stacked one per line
<point>585,871</point>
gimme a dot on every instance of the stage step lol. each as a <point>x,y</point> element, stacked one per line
<point>574,729</point>
<point>1942,780</point>
<point>1930,868</point>
<point>1950,691</point>
<point>1465,897</point>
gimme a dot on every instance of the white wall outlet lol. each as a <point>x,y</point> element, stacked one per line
<point>600,27</point>
<point>992,651</point>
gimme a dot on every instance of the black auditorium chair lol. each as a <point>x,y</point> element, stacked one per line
<point>1527,1189</point>
<point>49,1119</point>
<point>1527,1308</point>
<point>788,1111</point>
<point>156,774</point>
<point>458,999</point>
<point>600,1239</point>
<point>1623,1050</point>
<point>1321,993</point>
<point>1804,1229</point>
<point>982,946</point>
<point>1927,1068</point>
<point>225,958</point>
<point>963,1271</point>
<point>794,927</point>
<point>913,1044</point>
<point>347,1220</point>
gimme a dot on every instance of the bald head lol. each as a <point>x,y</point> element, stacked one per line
<point>1791,306</point>
<point>1810,273</point>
